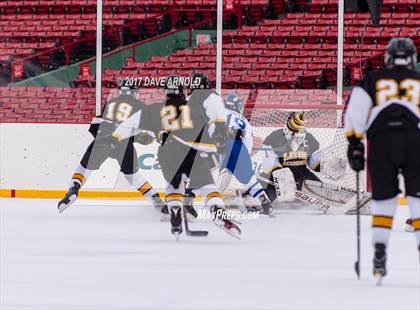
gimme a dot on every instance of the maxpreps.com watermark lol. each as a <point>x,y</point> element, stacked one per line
<point>235,215</point>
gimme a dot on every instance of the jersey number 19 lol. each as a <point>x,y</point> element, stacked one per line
<point>118,113</point>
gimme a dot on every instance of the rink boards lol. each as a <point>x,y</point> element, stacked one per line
<point>38,161</point>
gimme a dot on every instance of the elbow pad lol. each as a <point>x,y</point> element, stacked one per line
<point>93,129</point>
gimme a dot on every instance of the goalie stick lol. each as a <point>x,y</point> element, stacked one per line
<point>192,233</point>
<point>364,200</point>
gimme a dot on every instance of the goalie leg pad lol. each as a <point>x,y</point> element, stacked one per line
<point>285,184</point>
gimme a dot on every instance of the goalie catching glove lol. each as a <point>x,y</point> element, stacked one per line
<point>333,167</point>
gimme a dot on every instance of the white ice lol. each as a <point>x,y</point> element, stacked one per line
<point>117,255</point>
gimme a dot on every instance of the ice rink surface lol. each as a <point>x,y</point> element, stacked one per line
<point>118,256</point>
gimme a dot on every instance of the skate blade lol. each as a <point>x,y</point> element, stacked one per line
<point>177,235</point>
<point>409,228</point>
<point>62,206</point>
<point>236,236</point>
<point>271,214</point>
<point>378,279</point>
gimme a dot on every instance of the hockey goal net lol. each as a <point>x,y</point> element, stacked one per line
<point>323,121</point>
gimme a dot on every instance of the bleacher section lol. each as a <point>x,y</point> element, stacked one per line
<point>63,22</point>
<point>297,51</point>
<point>66,105</point>
<point>271,59</point>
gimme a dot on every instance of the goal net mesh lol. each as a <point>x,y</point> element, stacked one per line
<point>324,122</point>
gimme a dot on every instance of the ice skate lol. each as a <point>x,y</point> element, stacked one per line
<point>190,211</point>
<point>164,214</point>
<point>157,201</point>
<point>220,220</point>
<point>69,198</point>
<point>267,208</point>
<point>379,263</point>
<point>176,221</point>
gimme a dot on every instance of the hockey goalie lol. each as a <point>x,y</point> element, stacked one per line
<point>293,164</point>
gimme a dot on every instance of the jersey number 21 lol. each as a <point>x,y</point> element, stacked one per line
<point>171,121</point>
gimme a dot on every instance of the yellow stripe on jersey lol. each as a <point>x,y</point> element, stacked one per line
<point>382,221</point>
<point>416,224</point>
<point>80,177</point>
<point>206,147</point>
<point>174,196</point>
<point>217,120</point>
<point>315,165</point>
<point>213,195</point>
<point>145,188</point>
<point>353,133</point>
<point>117,136</point>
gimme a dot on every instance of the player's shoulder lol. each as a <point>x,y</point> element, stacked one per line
<point>130,100</point>
<point>233,113</point>
<point>310,137</point>
<point>275,137</point>
<point>397,73</point>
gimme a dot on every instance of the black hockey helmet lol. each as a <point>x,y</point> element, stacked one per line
<point>174,86</point>
<point>200,81</point>
<point>127,88</point>
<point>296,122</point>
<point>401,52</point>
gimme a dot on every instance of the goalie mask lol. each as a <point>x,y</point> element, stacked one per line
<point>296,130</point>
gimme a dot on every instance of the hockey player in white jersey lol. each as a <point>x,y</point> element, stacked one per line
<point>237,158</point>
<point>115,111</point>
<point>385,107</point>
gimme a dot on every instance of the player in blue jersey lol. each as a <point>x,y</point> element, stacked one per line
<point>237,158</point>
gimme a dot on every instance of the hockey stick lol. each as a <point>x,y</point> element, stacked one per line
<point>357,263</point>
<point>192,233</point>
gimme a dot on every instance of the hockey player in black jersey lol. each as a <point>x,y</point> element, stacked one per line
<point>385,108</point>
<point>188,131</point>
<point>106,146</point>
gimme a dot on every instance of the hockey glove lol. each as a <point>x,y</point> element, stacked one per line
<point>162,136</point>
<point>220,134</point>
<point>356,154</point>
<point>234,134</point>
